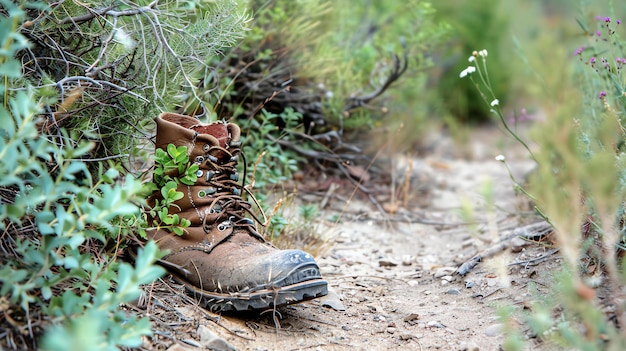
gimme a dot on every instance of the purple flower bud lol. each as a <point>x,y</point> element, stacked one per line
<point>598,33</point>
<point>607,19</point>
<point>602,95</point>
<point>618,21</point>
<point>592,60</point>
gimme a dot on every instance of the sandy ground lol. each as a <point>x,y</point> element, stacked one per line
<point>392,278</point>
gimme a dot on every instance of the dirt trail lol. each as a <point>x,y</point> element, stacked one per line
<point>394,278</point>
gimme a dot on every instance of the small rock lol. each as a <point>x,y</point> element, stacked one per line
<point>333,301</point>
<point>413,283</point>
<point>387,263</point>
<point>391,330</point>
<point>494,329</point>
<point>443,271</point>
<point>453,291</point>
<point>212,341</point>
<point>380,319</point>
<point>405,337</point>
<point>469,284</point>
<point>447,278</point>
<point>435,324</point>
<point>407,260</point>
<point>517,244</point>
<point>412,317</point>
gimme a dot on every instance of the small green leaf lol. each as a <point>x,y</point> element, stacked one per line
<point>184,222</point>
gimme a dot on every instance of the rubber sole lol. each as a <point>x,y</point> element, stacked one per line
<point>261,299</point>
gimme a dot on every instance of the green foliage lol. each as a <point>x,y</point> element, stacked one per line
<point>475,24</point>
<point>303,221</point>
<point>318,58</point>
<point>578,187</point>
<point>106,70</point>
<point>174,161</point>
<point>64,267</point>
<point>312,77</point>
<point>274,165</point>
<point>354,55</point>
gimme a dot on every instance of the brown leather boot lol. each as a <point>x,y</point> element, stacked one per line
<point>221,258</point>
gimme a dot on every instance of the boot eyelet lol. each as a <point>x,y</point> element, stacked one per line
<point>199,159</point>
<point>224,225</point>
<point>209,175</point>
<point>233,159</point>
<point>235,143</point>
<point>234,176</point>
<point>201,193</point>
<point>199,173</point>
<point>212,158</point>
<point>215,209</point>
<point>210,191</point>
<point>236,191</point>
<point>206,147</point>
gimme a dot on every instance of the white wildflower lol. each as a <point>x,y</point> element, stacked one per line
<point>495,102</point>
<point>471,58</point>
<point>468,70</point>
<point>483,53</point>
<point>500,158</point>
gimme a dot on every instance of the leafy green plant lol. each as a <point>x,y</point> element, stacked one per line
<point>317,75</point>
<point>578,187</point>
<point>63,228</point>
<point>274,164</point>
<point>173,161</point>
<point>301,229</point>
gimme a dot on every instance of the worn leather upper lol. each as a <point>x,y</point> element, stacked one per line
<point>221,251</point>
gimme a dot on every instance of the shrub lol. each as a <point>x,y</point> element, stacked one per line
<point>579,188</point>
<point>108,70</point>
<point>313,76</point>
<point>66,216</point>
<point>62,230</point>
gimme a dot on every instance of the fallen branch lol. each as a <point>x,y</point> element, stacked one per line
<point>536,260</point>
<point>533,231</point>
<point>107,11</point>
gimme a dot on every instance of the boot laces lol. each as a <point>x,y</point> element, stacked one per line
<point>227,189</point>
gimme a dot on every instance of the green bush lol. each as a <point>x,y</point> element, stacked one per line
<point>579,188</point>
<point>311,77</point>
<point>107,70</point>
<point>66,217</point>
<point>64,227</point>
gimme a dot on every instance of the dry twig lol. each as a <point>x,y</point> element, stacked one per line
<point>532,231</point>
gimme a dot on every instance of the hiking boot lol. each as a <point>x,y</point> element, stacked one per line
<point>221,258</point>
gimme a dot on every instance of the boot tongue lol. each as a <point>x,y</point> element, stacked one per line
<point>217,129</point>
